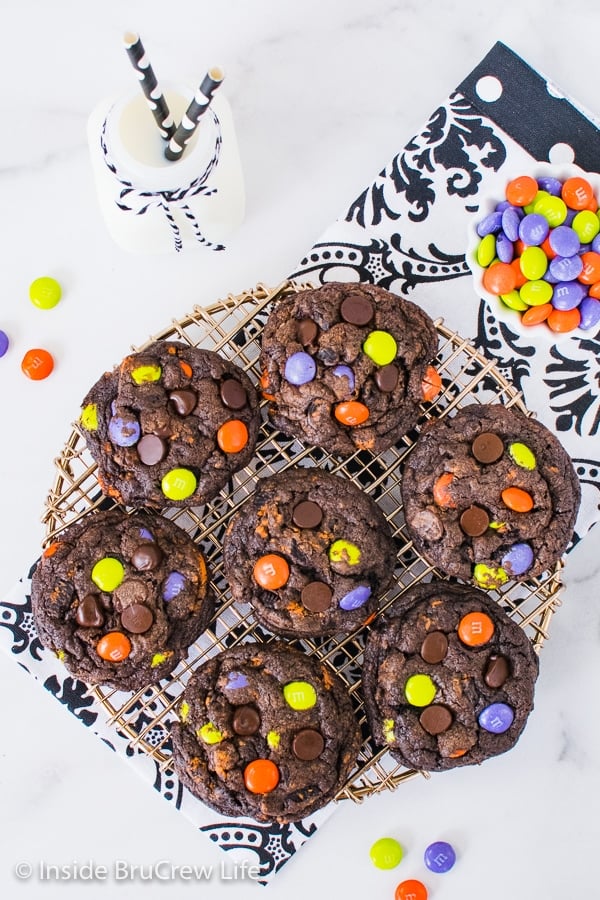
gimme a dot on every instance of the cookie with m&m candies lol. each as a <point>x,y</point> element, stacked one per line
<point>311,552</point>
<point>347,366</point>
<point>490,495</point>
<point>265,731</point>
<point>119,598</point>
<point>448,677</point>
<point>170,425</point>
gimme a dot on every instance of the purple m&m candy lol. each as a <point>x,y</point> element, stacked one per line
<point>356,597</point>
<point>124,432</point>
<point>490,224</point>
<point>596,244</point>
<point>496,718</point>
<point>173,585</point>
<point>566,268</point>
<point>300,368</point>
<point>502,205</point>
<point>533,229</point>
<point>590,313</point>
<point>518,559</point>
<point>439,857</point>
<point>564,241</point>
<point>568,294</point>
<point>345,372</point>
<point>236,680</point>
<point>3,343</point>
<point>146,535</point>
<point>511,219</point>
<point>551,185</point>
<point>504,248</point>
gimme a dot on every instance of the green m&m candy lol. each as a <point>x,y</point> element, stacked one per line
<point>344,551</point>
<point>522,455</point>
<point>386,853</point>
<point>300,695</point>
<point>533,263</point>
<point>420,690</point>
<point>536,293</point>
<point>381,347</point>
<point>210,734</point>
<point>108,573</point>
<point>178,484</point>
<point>146,374</point>
<point>44,292</point>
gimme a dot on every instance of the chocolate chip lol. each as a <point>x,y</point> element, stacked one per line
<point>434,647</point>
<point>316,596</point>
<point>474,521</point>
<point>246,720</point>
<point>307,331</point>
<point>137,619</point>
<point>435,719</point>
<point>151,449</point>
<point>183,401</point>
<point>356,309</point>
<point>233,394</point>
<point>487,447</point>
<point>89,613</point>
<point>386,378</point>
<point>146,557</point>
<point>307,514</point>
<point>308,744</point>
<point>496,671</point>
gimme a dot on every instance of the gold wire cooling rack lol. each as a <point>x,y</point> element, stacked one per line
<point>233,328</point>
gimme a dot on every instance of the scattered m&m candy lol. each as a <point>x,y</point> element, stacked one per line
<point>386,853</point>
<point>540,252</point>
<point>37,364</point>
<point>45,292</point>
<point>411,889</point>
<point>3,343</point>
<point>440,857</point>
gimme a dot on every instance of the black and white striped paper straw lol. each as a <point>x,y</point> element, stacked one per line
<point>152,92</point>
<point>194,112</point>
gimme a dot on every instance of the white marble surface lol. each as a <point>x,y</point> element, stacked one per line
<point>323,93</point>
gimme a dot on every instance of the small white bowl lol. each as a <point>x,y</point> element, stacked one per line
<point>488,205</point>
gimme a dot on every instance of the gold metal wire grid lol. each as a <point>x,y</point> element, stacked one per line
<point>233,327</point>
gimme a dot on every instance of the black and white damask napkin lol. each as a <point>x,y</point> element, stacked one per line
<point>406,232</point>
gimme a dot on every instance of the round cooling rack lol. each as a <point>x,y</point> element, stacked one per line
<point>233,327</point>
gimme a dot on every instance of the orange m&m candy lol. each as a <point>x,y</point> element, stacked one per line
<point>351,412</point>
<point>517,499</point>
<point>475,628</point>
<point>536,314</point>
<point>51,549</point>
<point>590,273</point>
<point>562,320</point>
<point>441,494</point>
<point>411,889</point>
<point>431,384</point>
<point>114,646</point>
<point>577,193</point>
<point>37,364</point>
<point>185,368</point>
<point>499,278</point>
<point>264,386</point>
<point>594,291</point>
<point>522,190</point>
<point>261,776</point>
<point>271,571</point>
<point>520,278</point>
<point>232,436</point>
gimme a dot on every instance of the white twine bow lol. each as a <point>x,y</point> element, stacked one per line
<point>133,199</point>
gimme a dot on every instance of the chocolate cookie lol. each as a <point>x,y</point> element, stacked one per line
<point>170,425</point>
<point>490,495</point>
<point>311,552</point>
<point>346,366</point>
<point>120,598</point>
<point>448,678</point>
<point>265,732</point>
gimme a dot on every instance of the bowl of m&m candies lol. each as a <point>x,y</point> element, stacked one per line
<point>535,251</point>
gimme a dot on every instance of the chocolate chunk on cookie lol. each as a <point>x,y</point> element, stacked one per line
<point>448,678</point>
<point>344,366</point>
<point>170,425</point>
<point>311,552</point>
<point>490,495</point>
<point>120,598</point>
<point>265,731</point>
